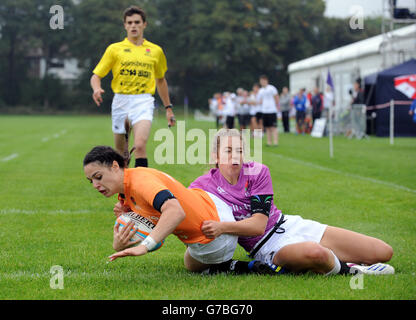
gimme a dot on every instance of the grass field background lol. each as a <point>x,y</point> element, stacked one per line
<point>50,215</point>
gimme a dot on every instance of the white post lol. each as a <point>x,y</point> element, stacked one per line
<point>391,122</point>
<point>331,145</point>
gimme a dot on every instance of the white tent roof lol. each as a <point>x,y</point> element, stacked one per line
<point>348,52</point>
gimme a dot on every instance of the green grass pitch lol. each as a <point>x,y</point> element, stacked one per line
<point>50,215</point>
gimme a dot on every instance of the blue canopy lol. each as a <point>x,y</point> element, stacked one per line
<point>385,91</point>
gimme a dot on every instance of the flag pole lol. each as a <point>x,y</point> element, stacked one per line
<point>331,144</point>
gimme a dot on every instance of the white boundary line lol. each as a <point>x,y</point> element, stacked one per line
<point>23,211</point>
<point>40,275</point>
<point>352,175</point>
<point>44,139</point>
<point>54,136</point>
<point>11,157</point>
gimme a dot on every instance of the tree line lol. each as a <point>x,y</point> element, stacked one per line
<point>211,46</point>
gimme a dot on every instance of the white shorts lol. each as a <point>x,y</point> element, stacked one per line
<point>296,230</point>
<point>222,248</point>
<point>135,107</point>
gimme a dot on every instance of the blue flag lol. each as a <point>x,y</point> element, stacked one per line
<point>329,80</point>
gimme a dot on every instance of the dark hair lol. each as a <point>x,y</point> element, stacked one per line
<point>134,10</point>
<point>106,156</point>
<point>263,76</point>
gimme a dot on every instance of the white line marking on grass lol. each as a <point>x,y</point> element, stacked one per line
<point>82,275</point>
<point>11,157</point>
<point>353,175</point>
<point>24,211</point>
<point>54,136</point>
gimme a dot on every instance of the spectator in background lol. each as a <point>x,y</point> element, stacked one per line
<point>259,114</point>
<point>238,105</point>
<point>269,99</point>
<point>328,101</point>
<point>316,102</point>
<point>216,106</point>
<point>300,101</point>
<point>412,110</point>
<point>244,110</point>
<point>255,125</point>
<point>285,108</point>
<point>358,93</point>
<point>229,109</point>
<point>309,99</point>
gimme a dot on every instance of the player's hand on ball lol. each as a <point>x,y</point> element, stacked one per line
<point>135,251</point>
<point>119,209</point>
<point>211,229</point>
<point>96,96</point>
<point>122,237</point>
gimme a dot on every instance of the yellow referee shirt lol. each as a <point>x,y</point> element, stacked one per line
<point>134,68</point>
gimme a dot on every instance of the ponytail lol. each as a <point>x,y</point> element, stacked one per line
<point>127,157</point>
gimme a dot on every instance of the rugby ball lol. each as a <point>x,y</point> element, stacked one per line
<point>144,227</point>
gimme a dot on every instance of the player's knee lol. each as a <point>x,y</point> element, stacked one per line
<point>381,252</point>
<point>317,254</point>
<point>191,264</point>
<point>140,146</point>
<point>384,253</point>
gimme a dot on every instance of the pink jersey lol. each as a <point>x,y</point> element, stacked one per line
<point>238,196</point>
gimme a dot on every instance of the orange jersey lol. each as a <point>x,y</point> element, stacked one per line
<point>141,185</point>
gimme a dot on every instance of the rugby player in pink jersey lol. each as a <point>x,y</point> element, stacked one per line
<point>285,242</point>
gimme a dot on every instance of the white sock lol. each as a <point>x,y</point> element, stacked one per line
<point>337,265</point>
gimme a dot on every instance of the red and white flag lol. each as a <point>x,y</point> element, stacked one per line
<point>406,85</point>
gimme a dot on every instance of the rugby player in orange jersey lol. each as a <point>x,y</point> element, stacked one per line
<point>173,208</point>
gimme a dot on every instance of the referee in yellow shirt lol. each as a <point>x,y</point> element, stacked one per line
<point>138,67</point>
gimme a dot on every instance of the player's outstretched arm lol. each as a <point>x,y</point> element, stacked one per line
<point>135,251</point>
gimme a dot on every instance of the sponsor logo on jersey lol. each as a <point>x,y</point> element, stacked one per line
<point>221,190</point>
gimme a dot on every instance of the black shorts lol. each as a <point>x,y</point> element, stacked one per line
<point>300,115</point>
<point>229,122</point>
<point>259,116</point>
<point>269,120</point>
<point>244,119</point>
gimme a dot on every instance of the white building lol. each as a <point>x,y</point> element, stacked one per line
<point>64,69</point>
<point>347,63</point>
